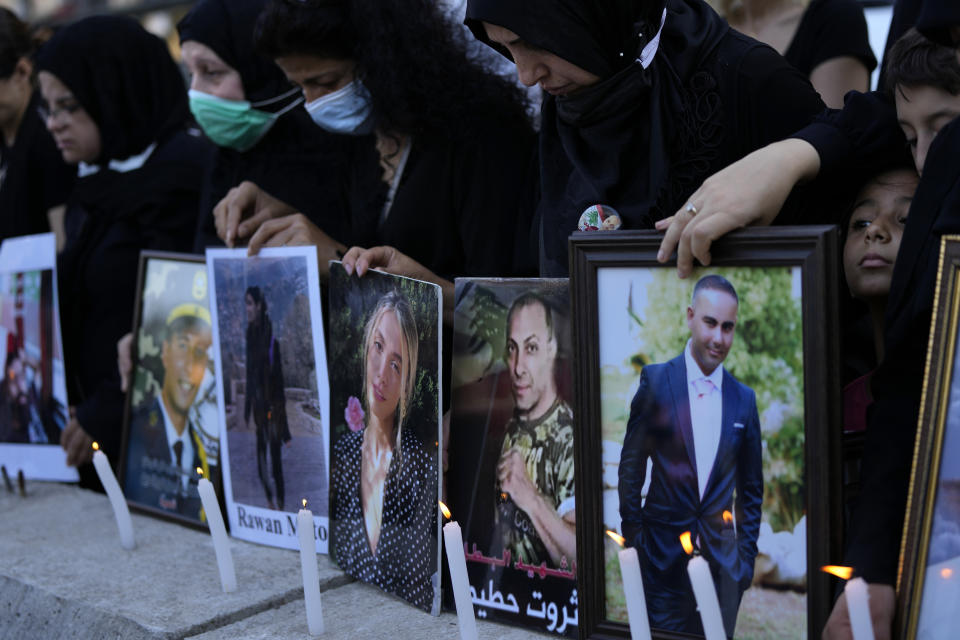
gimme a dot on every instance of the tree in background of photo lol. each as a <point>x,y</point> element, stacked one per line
<point>767,356</point>
<point>350,308</point>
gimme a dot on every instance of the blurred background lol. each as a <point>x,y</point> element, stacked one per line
<point>160,16</point>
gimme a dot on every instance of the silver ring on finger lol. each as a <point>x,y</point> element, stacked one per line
<point>692,210</point>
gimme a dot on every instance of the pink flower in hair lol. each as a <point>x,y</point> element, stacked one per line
<point>354,414</point>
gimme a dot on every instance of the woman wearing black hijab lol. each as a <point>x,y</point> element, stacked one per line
<point>246,106</point>
<point>646,100</point>
<point>116,107</point>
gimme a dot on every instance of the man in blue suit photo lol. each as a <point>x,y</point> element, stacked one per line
<point>699,429</point>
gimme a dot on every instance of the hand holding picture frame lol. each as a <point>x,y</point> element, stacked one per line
<point>713,412</point>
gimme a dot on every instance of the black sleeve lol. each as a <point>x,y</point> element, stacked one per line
<point>633,463</point>
<point>496,202</point>
<point>215,187</point>
<point>863,137</point>
<point>420,542</point>
<point>279,398</point>
<point>773,99</point>
<point>832,29</point>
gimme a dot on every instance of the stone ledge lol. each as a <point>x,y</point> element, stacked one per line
<point>354,612</point>
<point>63,573</point>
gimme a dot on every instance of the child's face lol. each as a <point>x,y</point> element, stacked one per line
<point>874,231</point>
<point>922,112</point>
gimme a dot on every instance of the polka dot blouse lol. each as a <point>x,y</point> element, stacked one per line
<point>407,551</point>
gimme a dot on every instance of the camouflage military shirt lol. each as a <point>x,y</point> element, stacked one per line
<point>547,448</point>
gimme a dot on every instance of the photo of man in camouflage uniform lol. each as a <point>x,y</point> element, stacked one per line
<point>535,515</point>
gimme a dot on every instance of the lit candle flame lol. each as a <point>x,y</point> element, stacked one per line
<point>616,537</point>
<point>844,573</point>
<point>199,471</point>
<point>685,541</point>
<point>946,573</point>
<point>304,503</point>
<point>727,517</point>
<point>96,446</point>
<point>445,511</point>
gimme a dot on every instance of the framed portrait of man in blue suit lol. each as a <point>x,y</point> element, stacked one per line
<point>708,406</point>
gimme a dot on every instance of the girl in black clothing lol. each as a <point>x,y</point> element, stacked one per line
<point>34,180</point>
<point>441,148</point>
<point>116,106</point>
<point>247,107</point>
<point>264,394</point>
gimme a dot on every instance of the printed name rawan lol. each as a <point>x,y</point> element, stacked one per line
<point>275,525</point>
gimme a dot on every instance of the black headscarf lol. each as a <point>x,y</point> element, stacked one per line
<point>935,19</point>
<point>613,142</point>
<point>226,26</point>
<point>591,35</point>
<point>124,78</point>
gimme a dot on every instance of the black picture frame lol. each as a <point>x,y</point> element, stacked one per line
<point>812,249</point>
<point>216,478</point>
<point>933,503</point>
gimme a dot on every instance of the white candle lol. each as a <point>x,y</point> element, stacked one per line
<point>633,592</point>
<point>858,604</point>
<point>218,532</point>
<point>120,510</point>
<point>706,595</point>
<point>311,575</point>
<point>453,542</point>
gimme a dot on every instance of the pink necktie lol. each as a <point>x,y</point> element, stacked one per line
<point>704,386</point>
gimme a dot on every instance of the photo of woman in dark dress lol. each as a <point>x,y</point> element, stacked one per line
<point>264,394</point>
<point>384,483</point>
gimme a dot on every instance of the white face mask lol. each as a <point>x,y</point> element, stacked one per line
<point>347,110</point>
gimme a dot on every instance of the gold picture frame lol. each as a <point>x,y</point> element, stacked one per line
<point>933,504</point>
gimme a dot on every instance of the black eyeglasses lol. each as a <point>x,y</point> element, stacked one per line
<point>68,108</point>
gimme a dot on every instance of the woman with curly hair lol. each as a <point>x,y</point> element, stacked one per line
<point>443,147</point>
<point>383,482</point>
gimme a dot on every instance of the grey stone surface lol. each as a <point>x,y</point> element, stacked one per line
<point>357,612</point>
<point>63,573</point>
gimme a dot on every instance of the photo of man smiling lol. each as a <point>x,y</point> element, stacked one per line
<point>166,442</point>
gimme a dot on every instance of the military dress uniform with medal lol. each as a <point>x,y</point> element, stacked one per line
<point>167,460</point>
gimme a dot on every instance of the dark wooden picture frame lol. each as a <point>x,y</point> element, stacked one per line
<point>932,499</point>
<point>814,251</point>
<point>129,409</point>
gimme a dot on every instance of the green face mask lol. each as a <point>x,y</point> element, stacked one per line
<point>234,123</point>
